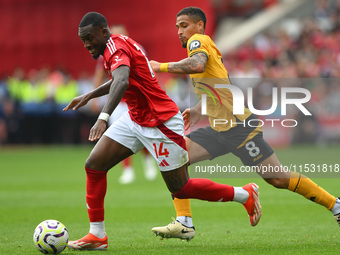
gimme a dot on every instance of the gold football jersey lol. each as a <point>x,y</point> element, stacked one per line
<point>219,101</point>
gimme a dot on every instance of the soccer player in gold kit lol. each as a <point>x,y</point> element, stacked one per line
<point>205,67</point>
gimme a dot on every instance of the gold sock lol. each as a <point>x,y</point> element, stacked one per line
<point>182,207</point>
<point>310,190</point>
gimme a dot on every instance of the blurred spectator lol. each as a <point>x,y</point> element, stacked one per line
<point>323,15</point>
<point>10,120</point>
<point>66,122</point>
<point>87,115</point>
<point>4,94</point>
<point>33,93</point>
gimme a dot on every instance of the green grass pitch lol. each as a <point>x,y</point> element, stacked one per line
<point>38,183</point>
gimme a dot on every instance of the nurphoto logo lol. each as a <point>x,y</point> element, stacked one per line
<point>238,104</point>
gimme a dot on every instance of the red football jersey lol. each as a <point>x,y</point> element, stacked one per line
<point>148,104</point>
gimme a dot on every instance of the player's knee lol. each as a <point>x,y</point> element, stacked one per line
<point>89,163</point>
<point>176,179</point>
<point>174,188</point>
<point>280,183</point>
<point>92,164</point>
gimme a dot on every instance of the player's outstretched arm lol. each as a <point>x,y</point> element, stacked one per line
<point>194,64</point>
<point>82,100</point>
<point>77,102</point>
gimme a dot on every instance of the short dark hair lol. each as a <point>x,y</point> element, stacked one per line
<point>93,18</point>
<point>194,13</point>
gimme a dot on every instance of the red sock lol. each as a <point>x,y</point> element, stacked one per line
<point>145,151</point>
<point>126,162</point>
<point>206,189</point>
<point>96,183</point>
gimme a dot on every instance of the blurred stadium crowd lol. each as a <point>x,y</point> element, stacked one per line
<point>303,53</point>
<point>31,107</point>
<point>301,48</point>
<point>299,52</point>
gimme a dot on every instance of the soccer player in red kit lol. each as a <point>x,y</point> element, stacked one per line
<point>100,76</point>
<point>153,121</point>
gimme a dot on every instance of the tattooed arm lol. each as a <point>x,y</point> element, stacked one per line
<point>194,64</point>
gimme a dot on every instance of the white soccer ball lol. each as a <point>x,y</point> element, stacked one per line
<point>50,237</point>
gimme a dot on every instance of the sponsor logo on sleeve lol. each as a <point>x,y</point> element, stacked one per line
<point>195,44</point>
<point>117,59</point>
